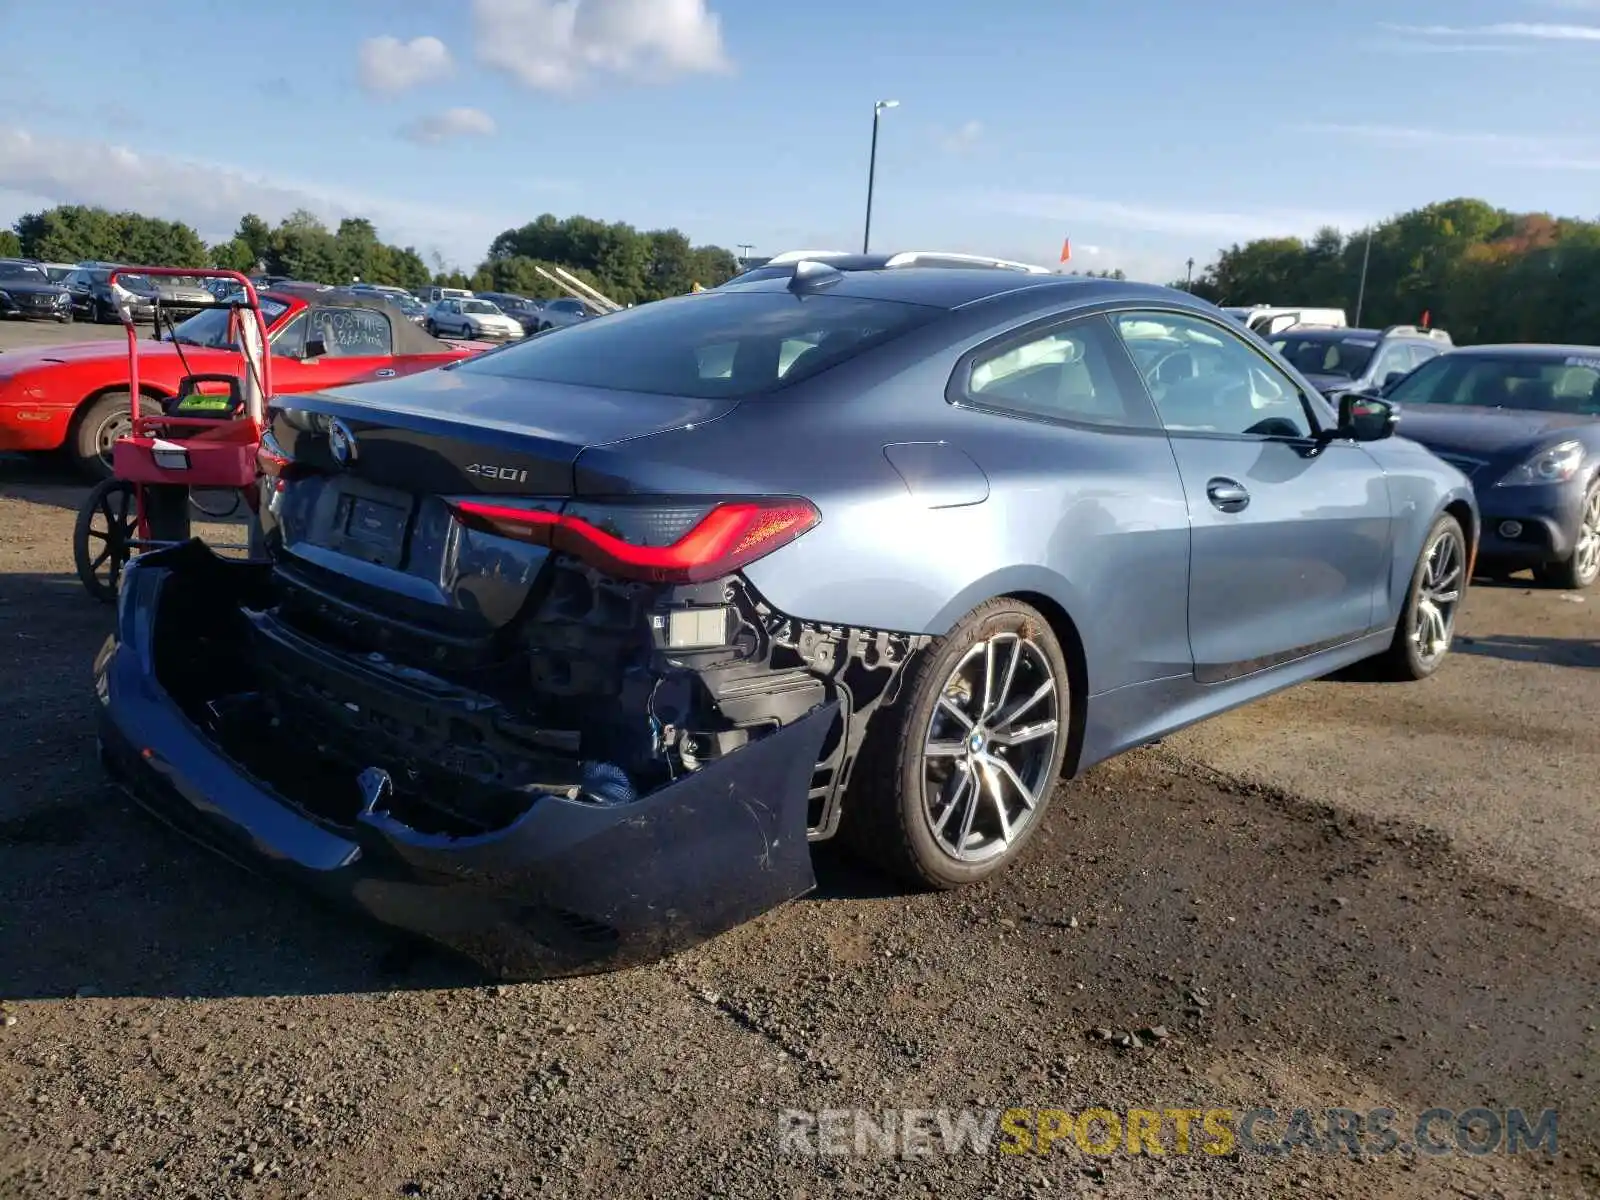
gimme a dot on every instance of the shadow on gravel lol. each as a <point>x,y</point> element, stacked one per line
<point>1557,652</point>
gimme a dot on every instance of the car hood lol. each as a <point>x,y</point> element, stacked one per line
<point>184,293</point>
<point>14,362</point>
<point>30,287</point>
<point>1484,432</point>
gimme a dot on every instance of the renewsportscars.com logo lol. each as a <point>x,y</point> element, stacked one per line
<point>1215,1132</point>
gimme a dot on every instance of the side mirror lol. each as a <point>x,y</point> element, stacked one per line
<point>315,348</point>
<point>1392,378</point>
<point>1365,417</point>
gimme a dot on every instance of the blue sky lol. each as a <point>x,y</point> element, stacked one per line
<point>1147,133</point>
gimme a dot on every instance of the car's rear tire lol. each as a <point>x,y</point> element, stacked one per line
<point>1581,568</point>
<point>956,774</point>
<point>1426,629</point>
<point>95,428</point>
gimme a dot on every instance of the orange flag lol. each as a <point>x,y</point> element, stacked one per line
<point>1066,250</point>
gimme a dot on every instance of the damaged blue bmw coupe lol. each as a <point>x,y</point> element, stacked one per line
<point>562,655</point>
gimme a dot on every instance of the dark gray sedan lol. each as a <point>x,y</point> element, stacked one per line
<point>563,653</point>
<point>1523,423</point>
<point>26,291</point>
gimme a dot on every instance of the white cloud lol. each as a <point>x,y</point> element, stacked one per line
<point>963,138</point>
<point>1068,211</point>
<point>1500,149</point>
<point>1506,29</point>
<point>557,45</point>
<point>1416,47</point>
<point>451,123</point>
<point>211,197</point>
<point>388,65</point>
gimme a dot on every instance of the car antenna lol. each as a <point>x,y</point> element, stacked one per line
<point>813,276</point>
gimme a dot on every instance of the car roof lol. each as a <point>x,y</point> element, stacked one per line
<point>1530,350</point>
<point>951,287</point>
<point>1331,333</point>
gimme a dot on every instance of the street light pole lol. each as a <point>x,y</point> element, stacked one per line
<point>744,251</point>
<point>1361,292</point>
<point>872,169</point>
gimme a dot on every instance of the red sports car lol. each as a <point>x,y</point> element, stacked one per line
<point>76,396</point>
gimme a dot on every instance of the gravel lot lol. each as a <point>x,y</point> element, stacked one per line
<point>1353,894</point>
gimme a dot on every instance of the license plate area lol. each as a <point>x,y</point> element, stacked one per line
<point>368,524</point>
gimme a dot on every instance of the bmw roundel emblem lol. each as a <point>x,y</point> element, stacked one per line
<point>341,442</point>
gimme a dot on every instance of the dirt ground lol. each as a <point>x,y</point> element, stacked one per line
<point>1352,895</point>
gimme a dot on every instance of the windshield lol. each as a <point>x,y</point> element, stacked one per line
<point>131,283</point>
<point>23,272</point>
<point>210,326</point>
<point>1345,357</point>
<point>1543,383</point>
<point>511,303</point>
<point>724,344</point>
<point>478,306</point>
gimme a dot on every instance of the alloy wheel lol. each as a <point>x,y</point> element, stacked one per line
<point>1586,553</point>
<point>990,748</point>
<point>1433,612</point>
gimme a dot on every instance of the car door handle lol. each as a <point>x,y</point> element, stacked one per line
<point>1228,495</point>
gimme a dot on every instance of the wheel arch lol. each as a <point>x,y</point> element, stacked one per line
<point>1067,636</point>
<point>147,391</point>
<point>1467,517</point>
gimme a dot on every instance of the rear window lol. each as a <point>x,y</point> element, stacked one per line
<point>1345,357</point>
<point>716,344</point>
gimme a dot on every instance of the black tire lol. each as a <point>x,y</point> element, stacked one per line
<point>94,429</point>
<point>100,549</point>
<point>886,818</point>
<point>429,328</point>
<point>102,313</point>
<point>1579,570</point>
<point>1414,655</point>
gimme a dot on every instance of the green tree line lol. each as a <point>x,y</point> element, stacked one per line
<point>626,264</point>
<point>1483,273</point>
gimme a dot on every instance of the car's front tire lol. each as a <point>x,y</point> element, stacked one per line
<point>95,430</point>
<point>956,774</point>
<point>1579,570</point>
<point>1426,629</point>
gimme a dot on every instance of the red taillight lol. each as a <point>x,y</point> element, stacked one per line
<point>731,534</point>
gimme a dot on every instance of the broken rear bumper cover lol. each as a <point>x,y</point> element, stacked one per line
<point>568,886</point>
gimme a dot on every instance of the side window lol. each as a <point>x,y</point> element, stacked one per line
<point>1421,354</point>
<point>351,332</point>
<point>1396,357</point>
<point>1205,379</point>
<point>290,341</point>
<point>1066,373</point>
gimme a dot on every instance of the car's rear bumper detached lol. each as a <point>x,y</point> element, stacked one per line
<point>567,886</point>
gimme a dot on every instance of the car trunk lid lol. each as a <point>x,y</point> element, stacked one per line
<point>362,505</point>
